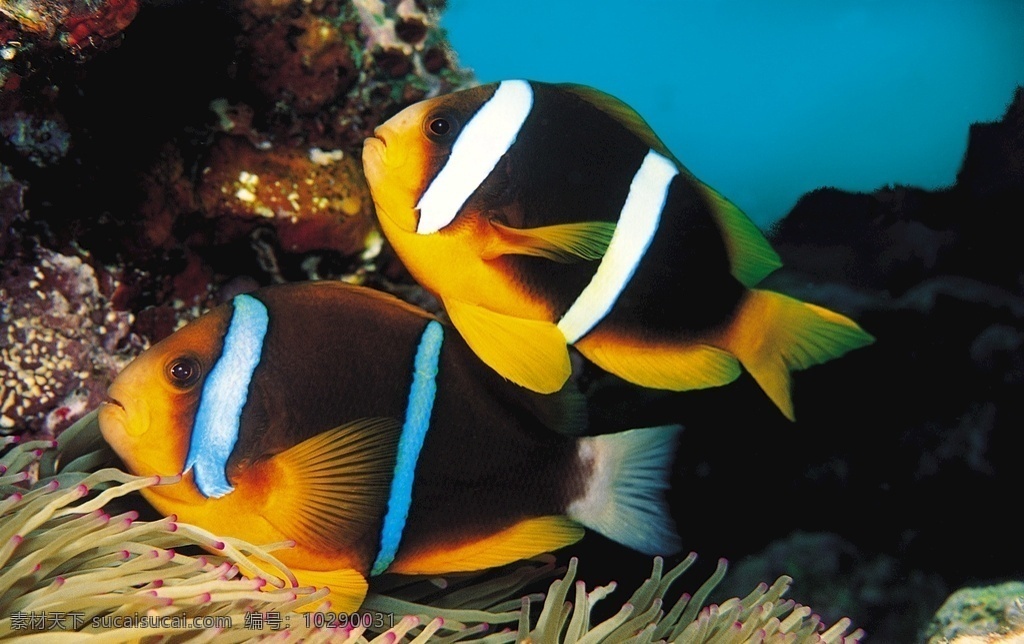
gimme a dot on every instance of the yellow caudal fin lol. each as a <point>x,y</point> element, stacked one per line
<point>348,588</point>
<point>525,539</point>
<point>774,334</point>
<point>530,353</point>
<point>662,366</point>
<point>587,240</point>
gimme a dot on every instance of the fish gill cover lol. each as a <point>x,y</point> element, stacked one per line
<point>159,157</point>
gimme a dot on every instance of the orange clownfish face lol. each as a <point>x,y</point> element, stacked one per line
<point>148,415</point>
<point>417,162</point>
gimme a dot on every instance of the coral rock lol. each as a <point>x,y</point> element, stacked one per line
<point>316,200</point>
<point>94,22</point>
<point>61,345</point>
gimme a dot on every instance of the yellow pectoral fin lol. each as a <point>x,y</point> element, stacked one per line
<point>348,588</point>
<point>587,240</point>
<point>531,353</point>
<point>327,491</point>
<point>674,367</point>
<point>525,539</point>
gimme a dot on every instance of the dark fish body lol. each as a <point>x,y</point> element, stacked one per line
<point>372,436</point>
<point>549,215</point>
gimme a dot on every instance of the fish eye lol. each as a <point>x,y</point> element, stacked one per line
<point>440,127</point>
<point>184,371</point>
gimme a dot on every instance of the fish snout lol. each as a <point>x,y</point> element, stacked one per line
<point>123,414</point>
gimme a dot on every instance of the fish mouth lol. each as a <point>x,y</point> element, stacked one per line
<point>376,142</point>
<point>110,400</point>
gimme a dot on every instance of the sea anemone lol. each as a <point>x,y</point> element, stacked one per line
<point>70,561</point>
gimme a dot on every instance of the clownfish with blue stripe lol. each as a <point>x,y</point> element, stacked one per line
<point>552,215</point>
<point>369,434</point>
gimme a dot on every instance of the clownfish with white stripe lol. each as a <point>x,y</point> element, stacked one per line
<point>368,433</point>
<point>552,215</point>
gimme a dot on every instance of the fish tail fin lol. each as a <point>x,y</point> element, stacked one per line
<point>624,498</point>
<point>774,334</point>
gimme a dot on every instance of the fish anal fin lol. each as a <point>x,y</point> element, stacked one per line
<point>530,353</point>
<point>524,539</point>
<point>328,490</point>
<point>676,367</point>
<point>751,257</point>
<point>774,334</point>
<point>348,588</point>
<point>573,242</point>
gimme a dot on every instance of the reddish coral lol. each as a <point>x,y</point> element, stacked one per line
<point>305,62</point>
<point>169,194</point>
<point>315,200</point>
<point>91,22</point>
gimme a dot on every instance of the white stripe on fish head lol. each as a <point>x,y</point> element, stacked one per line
<point>483,141</point>
<point>216,425</point>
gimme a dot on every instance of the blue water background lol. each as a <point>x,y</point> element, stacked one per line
<point>768,100</point>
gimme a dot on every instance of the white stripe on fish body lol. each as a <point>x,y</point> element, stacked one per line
<point>215,429</point>
<point>481,144</point>
<point>638,222</point>
<point>414,431</point>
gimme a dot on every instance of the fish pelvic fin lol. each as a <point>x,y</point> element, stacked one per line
<point>624,498</point>
<point>774,334</point>
<point>530,353</point>
<point>348,588</point>
<point>527,538</point>
<point>678,367</point>
<point>564,243</point>
<point>329,490</point>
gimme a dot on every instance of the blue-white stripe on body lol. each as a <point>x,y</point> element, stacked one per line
<point>638,222</point>
<point>483,141</point>
<point>414,431</point>
<point>215,430</point>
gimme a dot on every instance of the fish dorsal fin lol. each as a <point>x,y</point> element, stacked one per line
<point>564,411</point>
<point>586,240</point>
<point>530,353</point>
<point>622,113</point>
<point>372,294</point>
<point>750,255</point>
<point>525,539</point>
<point>332,488</point>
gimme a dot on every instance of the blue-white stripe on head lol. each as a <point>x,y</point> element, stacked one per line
<point>638,222</point>
<point>215,430</point>
<point>414,432</point>
<point>483,141</point>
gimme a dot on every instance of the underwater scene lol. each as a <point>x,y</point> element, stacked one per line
<point>321,322</point>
